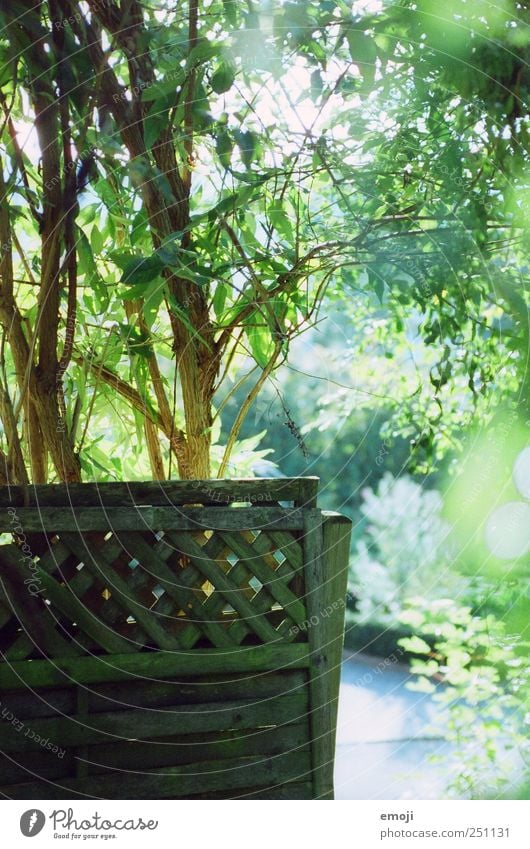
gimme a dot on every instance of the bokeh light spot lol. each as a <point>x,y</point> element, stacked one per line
<point>508,530</point>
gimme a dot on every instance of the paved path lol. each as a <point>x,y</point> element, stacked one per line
<point>384,738</point>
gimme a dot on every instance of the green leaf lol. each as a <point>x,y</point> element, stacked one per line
<point>191,274</point>
<point>363,52</point>
<point>137,342</point>
<point>96,239</point>
<point>415,645</point>
<point>184,318</point>
<point>153,126</point>
<point>152,301</point>
<point>279,219</point>
<point>231,203</point>
<point>230,10</point>
<point>247,144</point>
<point>219,298</point>
<point>223,78</point>
<point>317,84</point>
<point>88,267</point>
<point>202,52</point>
<point>142,269</point>
<point>224,146</point>
<point>139,227</point>
<point>164,87</point>
<point>260,340</point>
<point>421,685</point>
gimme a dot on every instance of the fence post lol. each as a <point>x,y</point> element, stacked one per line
<point>327,543</point>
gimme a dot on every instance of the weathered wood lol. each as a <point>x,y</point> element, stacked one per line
<point>31,703</point>
<point>233,595</point>
<point>336,550</point>
<point>95,560</point>
<point>69,604</point>
<point>137,547</point>
<point>166,751</point>
<point>147,518</point>
<point>307,497</point>
<point>163,493</point>
<point>327,540</point>
<point>289,546</point>
<point>160,715</point>
<point>82,716</point>
<point>197,689</point>
<point>314,582</point>
<point>137,693</point>
<point>274,585</point>
<point>219,746</point>
<point>29,609</point>
<point>292,791</point>
<point>149,724</point>
<point>19,767</point>
<point>176,781</point>
<point>153,665</point>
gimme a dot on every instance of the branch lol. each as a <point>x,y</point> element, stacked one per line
<point>190,94</point>
<point>176,437</point>
<point>245,407</point>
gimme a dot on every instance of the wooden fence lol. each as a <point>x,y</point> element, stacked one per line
<point>170,640</point>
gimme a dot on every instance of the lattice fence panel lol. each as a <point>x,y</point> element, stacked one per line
<point>124,591</point>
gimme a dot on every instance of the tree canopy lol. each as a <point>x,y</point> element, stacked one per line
<point>185,188</point>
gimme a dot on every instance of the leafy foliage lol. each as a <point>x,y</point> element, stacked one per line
<point>404,551</point>
<point>235,166</point>
<point>485,696</point>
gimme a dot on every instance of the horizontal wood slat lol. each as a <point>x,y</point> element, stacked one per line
<point>176,782</point>
<point>109,726</point>
<point>166,653</point>
<point>303,491</point>
<point>148,518</point>
<point>29,704</point>
<point>152,665</point>
<point>167,751</point>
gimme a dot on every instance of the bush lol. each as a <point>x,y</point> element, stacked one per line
<point>486,697</point>
<point>404,551</point>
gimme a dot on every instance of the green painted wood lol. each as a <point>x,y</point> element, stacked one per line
<point>95,560</point>
<point>326,543</point>
<point>37,623</point>
<point>291,791</point>
<point>170,580</point>
<point>336,550</point>
<point>191,578</point>
<point>308,492</point>
<point>20,767</point>
<point>152,665</point>
<point>147,518</point>
<point>290,546</point>
<point>314,583</point>
<point>21,649</point>
<point>271,581</point>
<point>220,746</point>
<point>40,620</point>
<point>44,701</point>
<point>199,689</point>
<point>163,493</point>
<point>83,729</point>
<point>135,695</point>
<point>68,603</point>
<point>82,715</point>
<point>175,782</point>
<point>233,595</point>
